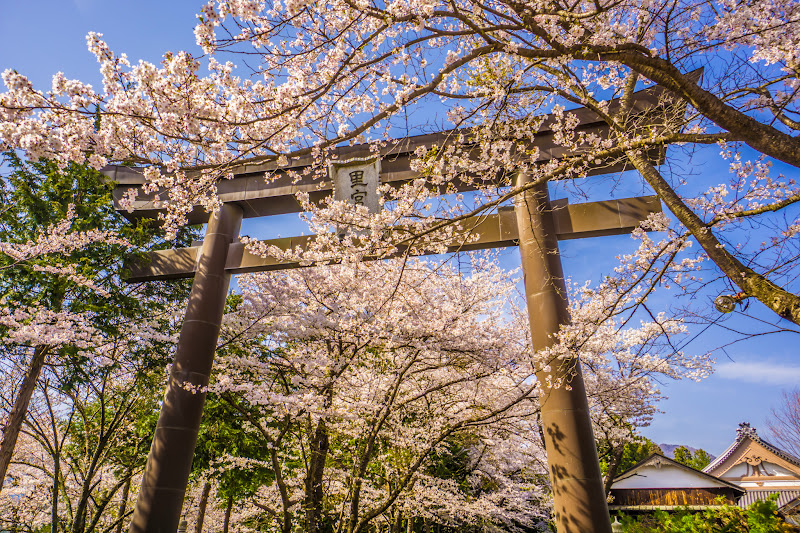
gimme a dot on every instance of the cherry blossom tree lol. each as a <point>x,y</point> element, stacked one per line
<point>87,430</point>
<point>37,276</point>
<point>81,451</point>
<point>313,76</point>
<point>363,377</point>
<point>85,438</point>
<point>371,379</point>
<point>62,245</point>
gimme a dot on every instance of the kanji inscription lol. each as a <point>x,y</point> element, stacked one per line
<point>356,181</point>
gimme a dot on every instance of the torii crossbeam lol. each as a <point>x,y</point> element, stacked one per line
<point>534,223</point>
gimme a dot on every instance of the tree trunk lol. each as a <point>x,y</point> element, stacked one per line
<point>616,457</point>
<point>54,504</point>
<point>79,521</point>
<point>228,509</point>
<point>313,482</point>
<point>124,503</point>
<point>81,510</point>
<point>782,302</point>
<point>201,510</point>
<point>762,137</point>
<point>20,409</point>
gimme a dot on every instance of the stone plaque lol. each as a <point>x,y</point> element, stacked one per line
<point>356,181</point>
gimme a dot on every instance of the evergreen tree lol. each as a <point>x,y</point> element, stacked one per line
<point>697,460</point>
<point>61,283</point>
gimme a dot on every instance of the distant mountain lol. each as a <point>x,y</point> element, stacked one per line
<point>669,450</point>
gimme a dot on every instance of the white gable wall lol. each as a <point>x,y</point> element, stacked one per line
<point>774,470</point>
<point>771,469</point>
<point>665,477</point>
<point>736,471</point>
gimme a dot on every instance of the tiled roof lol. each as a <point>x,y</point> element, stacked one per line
<point>784,496</point>
<point>745,431</point>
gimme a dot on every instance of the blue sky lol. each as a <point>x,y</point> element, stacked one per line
<point>41,37</point>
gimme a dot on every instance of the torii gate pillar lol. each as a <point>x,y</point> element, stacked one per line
<point>579,498</point>
<point>578,494</point>
<point>158,508</point>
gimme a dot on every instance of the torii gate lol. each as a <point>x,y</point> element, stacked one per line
<point>534,223</point>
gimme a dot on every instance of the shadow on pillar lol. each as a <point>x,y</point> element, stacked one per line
<point>158,508</point>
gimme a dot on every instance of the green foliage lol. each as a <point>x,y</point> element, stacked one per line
<point>108,412</point>
<point>226,432</point>
<point>697,460</point>
<point>633,452</point>
<point>229,429</point>
<point>760,517</point>
<point>451,461</point>
<point>120,422</point>
<point>36,196</point>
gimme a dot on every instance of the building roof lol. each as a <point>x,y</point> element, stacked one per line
<point>746,434</point>
<point>791,507</point>
<point>658,460</point>
<point>784,497</point>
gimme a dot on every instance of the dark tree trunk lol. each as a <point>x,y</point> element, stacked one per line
<point>81,510</point>
<point>228,509</point>
<point>398,522</point>
<point>313,482</point>
<point>126,488</point>
<point>20,409</point>
<point>54,503</point>
<point>616,457</point>
<point>201,510</point>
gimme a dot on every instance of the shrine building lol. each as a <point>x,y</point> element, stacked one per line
<point>749,470</point>
<point>760,468</point>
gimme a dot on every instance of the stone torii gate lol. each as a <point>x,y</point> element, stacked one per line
<point>534,223</point>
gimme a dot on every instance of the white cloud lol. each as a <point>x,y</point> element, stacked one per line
<point>760,372</point>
